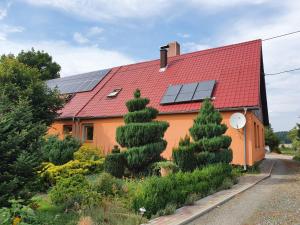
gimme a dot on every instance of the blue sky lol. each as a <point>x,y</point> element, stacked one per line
<point>93,34</point>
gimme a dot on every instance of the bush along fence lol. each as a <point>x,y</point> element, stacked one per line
<point>209,145</point>
<point>142,137</point>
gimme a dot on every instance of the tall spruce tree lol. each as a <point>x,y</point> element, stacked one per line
<point>210,145</point>
<point>142,136</point>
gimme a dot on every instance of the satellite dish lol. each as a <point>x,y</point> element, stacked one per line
<point>237,120</point>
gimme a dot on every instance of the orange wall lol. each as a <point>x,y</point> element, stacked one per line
<point>105,129</point>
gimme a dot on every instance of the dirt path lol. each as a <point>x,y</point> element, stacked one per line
<point>271,202</point>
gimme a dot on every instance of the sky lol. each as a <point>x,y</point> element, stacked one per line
<point>87,35</point>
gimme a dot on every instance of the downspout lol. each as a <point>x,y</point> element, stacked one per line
<point>245,141</point>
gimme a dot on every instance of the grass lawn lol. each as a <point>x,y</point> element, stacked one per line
<point>49,214</point>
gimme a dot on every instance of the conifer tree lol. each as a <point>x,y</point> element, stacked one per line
<point>209,145</point>
<point>142,136</point>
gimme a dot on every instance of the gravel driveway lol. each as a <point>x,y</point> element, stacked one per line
<point>271,202</point>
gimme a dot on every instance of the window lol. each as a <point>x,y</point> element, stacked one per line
<point>255,135</point>
<point>114,93</point>
<point>258,137</point>
<point>88,132</point>
<point>67,129</point>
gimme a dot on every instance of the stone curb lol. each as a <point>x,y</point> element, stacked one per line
<point>218,203</point>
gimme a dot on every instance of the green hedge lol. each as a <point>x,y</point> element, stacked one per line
<point>138,134</point>
<point>155,193</point>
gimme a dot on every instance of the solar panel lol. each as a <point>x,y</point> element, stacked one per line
<point>204,90</point>
<point>188,92</point>
<point>171,94</point>
<point>78,83</point>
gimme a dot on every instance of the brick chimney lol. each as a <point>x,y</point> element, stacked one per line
<point>174,49</point>
<point>169,50</point>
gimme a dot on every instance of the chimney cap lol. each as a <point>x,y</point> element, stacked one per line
<point>164,47</point>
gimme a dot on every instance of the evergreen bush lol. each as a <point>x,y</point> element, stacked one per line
<point>87,152</point>
<point>59,151</point>
<point>156,193</point>
<point>74,192</point>
<point>209,145</point>
<point>115,163</point>
<point>142,136</point>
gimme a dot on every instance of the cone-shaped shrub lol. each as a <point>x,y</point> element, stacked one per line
<point>142,136</point>
<point>210,144</point>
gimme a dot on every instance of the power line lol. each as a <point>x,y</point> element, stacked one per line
<point>282,35</point>
<point>281,72</point>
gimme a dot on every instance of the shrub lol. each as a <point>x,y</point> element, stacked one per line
<point>115,164</point>
<point>139,158</point>
<point>271,139</point>
<point>51,173</point>
<point>59,151</point>
<point>185,158</point>
<point>106,184</point>
<point>87,152</point>
<point>210,144</point>
<point>185,141</point>
<point>74,192</point>
<point>155,193</point>
<point>142,136</point>
<point>16,213</point>
<point>166,165</point>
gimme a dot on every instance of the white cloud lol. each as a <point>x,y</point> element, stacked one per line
<point>72,59</point>
<point>193,46</point>
<point>279,54</point>
<point>3,13</point>
<point>183,35</point>
<point>107,10</point>
<point>79,38</point>
<point>216,5</point>
<point>5,30</point>
<point>94,31</point>
<point>99,10</point>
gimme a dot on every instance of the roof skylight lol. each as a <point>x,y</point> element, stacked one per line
<point>114,93</point>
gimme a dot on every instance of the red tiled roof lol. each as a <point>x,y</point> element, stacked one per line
<point>236,69</point>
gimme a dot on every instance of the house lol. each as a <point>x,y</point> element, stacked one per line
<point>232,76</point>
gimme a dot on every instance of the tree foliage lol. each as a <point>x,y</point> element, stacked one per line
<point>271,138</point>
<point>18,80</point>
<point>59,151</point>
<point>27,106</point>
<point>42,61</point>
<point>294,136</point>
<point>19,149</point>
<point>209,145</point>
<point>142,137</point>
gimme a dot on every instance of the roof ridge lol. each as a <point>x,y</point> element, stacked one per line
<point>188,53</point>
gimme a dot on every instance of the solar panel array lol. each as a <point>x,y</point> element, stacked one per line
<point>188,92</point>
<point>78,83</point>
